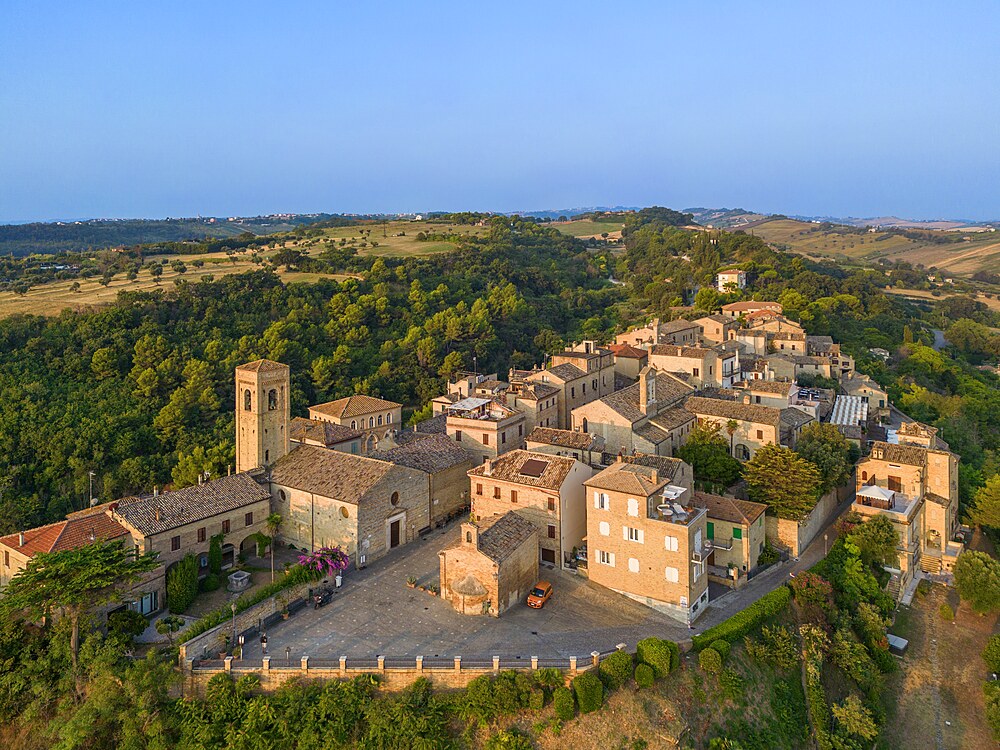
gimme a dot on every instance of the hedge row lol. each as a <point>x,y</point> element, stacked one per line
<point>747,620</point>
<point>293,577</point>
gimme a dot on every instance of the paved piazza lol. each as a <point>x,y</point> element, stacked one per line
<point>374,612</point>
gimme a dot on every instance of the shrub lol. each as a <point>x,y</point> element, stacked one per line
<point>215,554</point>
<point>663,656</point>
<point>616,670</point>
<point>723,647</point>
<point>776,646</point>
<point>549,677</point>
<point>710,661</point>
<point>508,739</point>
<point>182,584</point>
<point>732,683</point>
<point>991,654</point>
<point>644,676</point>
<point>589,692</point>
<point>126,624</point>
<point>747,620</point>
<point>536,699</point>
<point>210,582</point>
<point>946,613</point>
<point>991,691</point>
<point>564,703</point>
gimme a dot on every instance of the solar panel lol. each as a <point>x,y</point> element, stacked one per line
<point>533,467</point>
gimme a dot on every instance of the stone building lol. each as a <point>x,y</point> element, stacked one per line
<point>736,278</point>
<point>703,366</point>
<point>735,533</point>
<point>716,328</point>
<point>365,506</point>
<point>493,566</point>
<point>645,540</point>
<point>545,489</point>
<point>538,401</point>
<point>645,417</point>
<point>262,413</point>
<point>754,426</point>
<point>487,428</point>
<point>736,309</point>
<point>336,437</point>
<point>446,464</point>
<point>183,522</point>
<point>582,446</point>
<point>877,398</point>
<point>375,418</point>
<point>629,360</point>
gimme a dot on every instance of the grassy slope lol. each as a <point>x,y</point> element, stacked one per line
<point>982,252</point>
<point>588,228</point>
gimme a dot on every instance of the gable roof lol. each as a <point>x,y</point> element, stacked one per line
<point>728,509</point>
<point>766,386</point>
<point>65,535</point>
<point>625,402</point>
<point>352,406</point>
<point>794,417</point>
<point>666,466</point>
<point>567,371</point>
<point>428,453</point>
<point>434,426</point>
<point>752,305</point>
<point>715,407</point>
<point>154,514</point>
<point>501,536</point>
<point>627,351</point>
<point>341,476</point>
<point>327,433</point>
<point>563,438</point>
<point>508,466</point>
<point>911,455</point>
<point>631,478</point>
<point>263,365</point>
<point>673,350</point>
<point>677,325</point>
<point>715,318</point>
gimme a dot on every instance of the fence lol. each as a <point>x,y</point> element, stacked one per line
<point>394,673</point>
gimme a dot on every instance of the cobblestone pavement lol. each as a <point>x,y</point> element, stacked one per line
<point>374,612</point>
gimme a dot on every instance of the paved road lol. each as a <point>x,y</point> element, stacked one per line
<point>376,613</point>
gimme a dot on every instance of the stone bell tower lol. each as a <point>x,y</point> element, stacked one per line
<point>262,413</point>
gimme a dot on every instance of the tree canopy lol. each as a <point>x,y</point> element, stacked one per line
<point>789,484</point>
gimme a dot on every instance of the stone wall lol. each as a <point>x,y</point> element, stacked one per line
<point>796,536</point>
<point>393,674</point>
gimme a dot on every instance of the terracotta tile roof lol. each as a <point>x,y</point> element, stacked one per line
<point>766,386</point>
<point>794,417</point>
<point>627,351</point>
<point>155,514</point>
<point>677,325</point>
<point>65,535</point>
<point>566,371</point>
<point>651,433</point>
<point>671,419</point>
<point>911,455</point>
<point>501,536</point>
<point>428,453</point>
<point>671,350</point>
<point>563,438</point>
<point>666,466</point>
<point>507,468</point>
<point>334,474</point>
<point>715,318</point>
<point>534,391</point>
<point>633,479</point>
<point>728,508</point>
<point>263,365</point>
<point>327,433</point>
<point>714,407</point>
<point>669,390</point>
<point>752,305</point>
<point>434,426</point>
<point>352,406</point>
<point>788,336</point>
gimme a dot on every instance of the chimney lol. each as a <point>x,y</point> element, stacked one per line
<point>200,479</point>
<point>157,514</point>
<point>156,491</point>
<point>656,476</point>
<point>647,391</point>
<point>488,467</point>
<point>229,470</point>
<point>20,539</point>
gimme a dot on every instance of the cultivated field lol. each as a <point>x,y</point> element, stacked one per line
<point>981,251</point>
<point>53,298</point>
<point>586,228</point>
<point>921,295</point>
<point>391,239</point>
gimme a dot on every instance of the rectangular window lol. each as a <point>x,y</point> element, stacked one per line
<point>670,543</point>
<point>760,434</point>
<point>248,519</point>
<point>520,430</point>
<point>672,575</point>
<point>606,558</point>
<point>513,496</point>
<point>601,501</point>
<point>711,530</point>
<point>175,543</point>
<point>225,526</point>
<point>895,484</point>
<point>584,386</point>
<point>479,489</point>
<point>458,436</point>
<point>737,532</point>
<point>201,535</point>
<point>6,559</point>
<point>552,503</point>
<point>694,371</point>
<point>552,531</point>
<point>633,535</point>
<point>572,392</point>
<point>503,438</point>
<point>697,573</point>
<point>486,438</point>
<point>496,493</point>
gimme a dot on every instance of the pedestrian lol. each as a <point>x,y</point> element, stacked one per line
<point>263,644</point>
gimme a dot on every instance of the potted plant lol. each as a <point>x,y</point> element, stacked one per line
<point>432,590</point>
<point>411,582</point>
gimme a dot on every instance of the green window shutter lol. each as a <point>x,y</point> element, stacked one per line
<point>711,530</point>
<point>737,532</point>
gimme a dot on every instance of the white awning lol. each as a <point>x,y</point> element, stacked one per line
<point>874,491</point>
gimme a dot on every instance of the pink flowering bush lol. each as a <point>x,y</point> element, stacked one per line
<point>325,561</point>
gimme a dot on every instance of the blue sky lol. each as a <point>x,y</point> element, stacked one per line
<point>151,109</point>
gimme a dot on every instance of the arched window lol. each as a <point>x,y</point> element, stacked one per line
<point>272,400</point>
<point>246,400</point>
<point>468,537</point>
<point>267,456</point>
<point>742,452</point>
<point>864,476</point>
<point>371,421</point>
<point>394,499</point>
<point>584,424</point>
<point>388,419</point>
<point>354,425</point>
<point>379,420</point>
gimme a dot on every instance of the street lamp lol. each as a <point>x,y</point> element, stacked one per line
<point>90,499</point>
<point>233,607</point>
<point>825,537</point>
<point>288,656</point>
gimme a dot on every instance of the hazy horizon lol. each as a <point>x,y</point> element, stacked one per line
<point>237,109</point>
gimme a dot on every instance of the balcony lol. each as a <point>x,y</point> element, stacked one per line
<point>717,543</point>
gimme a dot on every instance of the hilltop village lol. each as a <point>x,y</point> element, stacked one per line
<point>572,465</point>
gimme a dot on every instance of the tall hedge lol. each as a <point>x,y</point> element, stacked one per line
<point>215,554</point>
<point>661,655</point>
<point>182,584</point>
<point>746,620</point>
<point>616,670</point>
<point>589,692</point>
<point>564,703</point>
